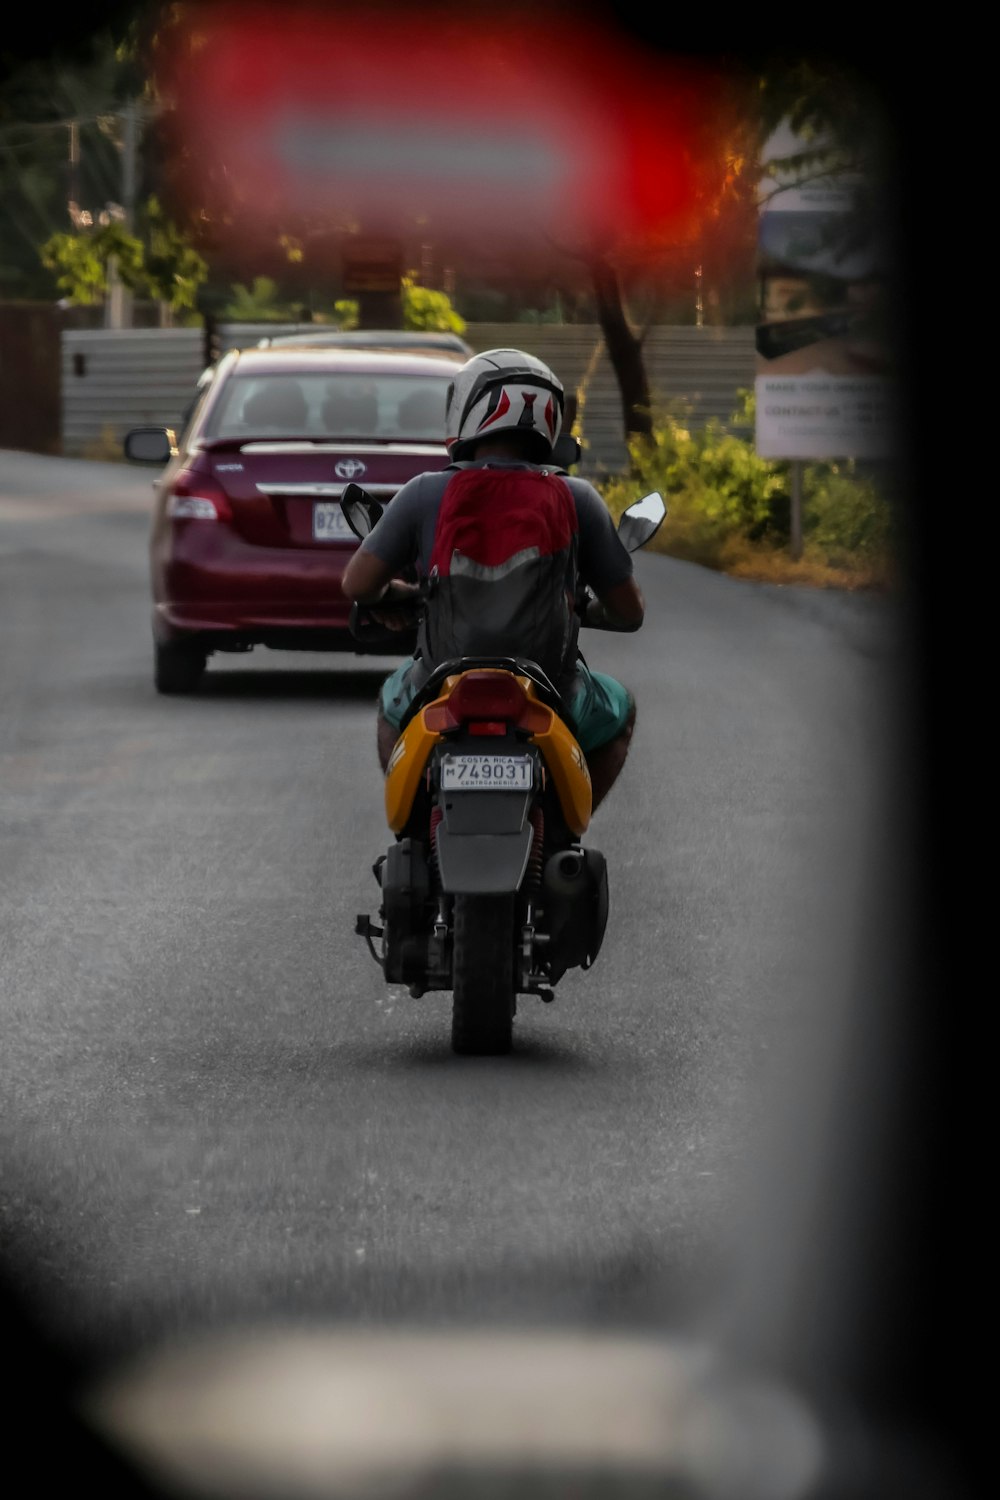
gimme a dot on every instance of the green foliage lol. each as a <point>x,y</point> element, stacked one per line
<point>553,313</point>
<point>717,486</point>
<point>425,309</point>
<point>728,504</point>
<point>165,267</point>
<point>847,518</point>
<point>257,304</point>
<point>80,261</point>
<point>422,308</point>
<point>173,269</point>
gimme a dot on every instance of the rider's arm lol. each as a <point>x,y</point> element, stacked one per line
<point>366,577</point>
<point>386,552</point>
<point>605,565</point>
<point>620,607</point>
<point>369,581</point>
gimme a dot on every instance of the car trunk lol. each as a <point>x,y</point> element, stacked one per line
<point>285,494</point>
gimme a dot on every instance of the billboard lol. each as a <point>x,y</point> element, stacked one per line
<point>823,380</point>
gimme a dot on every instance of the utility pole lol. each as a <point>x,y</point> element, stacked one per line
<point>73,184</point>
<point>130,146</point>
<point>120,300</point>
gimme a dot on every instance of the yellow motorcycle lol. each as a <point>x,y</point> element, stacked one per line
<point>487,890</point>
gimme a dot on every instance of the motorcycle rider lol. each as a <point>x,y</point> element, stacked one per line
<point>491,421</point>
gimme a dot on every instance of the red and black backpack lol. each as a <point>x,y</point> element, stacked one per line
<point>503,570</point>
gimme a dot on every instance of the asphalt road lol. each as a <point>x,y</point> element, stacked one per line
<point>216,1116</point>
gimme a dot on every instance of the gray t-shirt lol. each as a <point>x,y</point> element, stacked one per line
<point>404,536</point>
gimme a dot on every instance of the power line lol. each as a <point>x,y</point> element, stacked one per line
<point>143,112</point>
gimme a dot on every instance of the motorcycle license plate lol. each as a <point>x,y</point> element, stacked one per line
<point>330,523</point>
<point>478,773</point>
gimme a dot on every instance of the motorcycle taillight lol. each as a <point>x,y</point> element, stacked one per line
<point>487,696</point>
<point>487,703</point>
<point>487,726</point>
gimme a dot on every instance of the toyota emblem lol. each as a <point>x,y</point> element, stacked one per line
<point>349,468</point>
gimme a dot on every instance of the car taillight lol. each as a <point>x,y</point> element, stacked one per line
<point>198,497</point>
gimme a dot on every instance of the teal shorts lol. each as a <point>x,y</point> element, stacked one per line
<point>600,705</point>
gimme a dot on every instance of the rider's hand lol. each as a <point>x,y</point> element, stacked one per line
<point>395,609</point>
<point>620,609</point>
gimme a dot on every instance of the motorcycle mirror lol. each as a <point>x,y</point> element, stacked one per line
<point>566,451</point>
<point>361,512</point>
<point>642,520</point>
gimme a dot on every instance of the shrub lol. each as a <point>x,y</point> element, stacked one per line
<point>847,518</point>
<point>730,509</point>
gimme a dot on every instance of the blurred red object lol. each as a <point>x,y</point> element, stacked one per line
<point>385,117</point>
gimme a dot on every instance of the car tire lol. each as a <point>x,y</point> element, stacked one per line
<point>179,666</point>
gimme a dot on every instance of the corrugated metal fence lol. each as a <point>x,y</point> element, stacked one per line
<point>114,379</point>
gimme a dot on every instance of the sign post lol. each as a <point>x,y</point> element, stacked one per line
<point>795,540</point>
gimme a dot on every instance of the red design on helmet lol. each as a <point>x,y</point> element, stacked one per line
<point>497,391</point>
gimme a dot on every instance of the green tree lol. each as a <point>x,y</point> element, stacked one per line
<point>423,308</point>
<point>173,269</point>
<point>258,303</point>
<point>60,152</point>
<point>80,261</point>
<point>164,267</point>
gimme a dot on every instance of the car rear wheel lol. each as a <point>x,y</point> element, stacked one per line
<point>179,666</point>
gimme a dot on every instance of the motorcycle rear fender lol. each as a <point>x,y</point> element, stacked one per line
<point>483,842</point>
<point>562,755</point>
<point>482,864</point>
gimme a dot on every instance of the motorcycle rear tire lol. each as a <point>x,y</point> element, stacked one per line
<point>483,999</point>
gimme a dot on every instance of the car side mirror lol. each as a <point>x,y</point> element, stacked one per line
<point>150,445</point>
<point>361,511</point>
<point>642,520</point>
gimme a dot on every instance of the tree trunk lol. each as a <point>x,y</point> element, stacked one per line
<point>624,349</point>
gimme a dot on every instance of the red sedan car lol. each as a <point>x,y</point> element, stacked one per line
<point>248,543</point>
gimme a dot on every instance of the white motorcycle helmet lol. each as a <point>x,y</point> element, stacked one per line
<point>504,390</point>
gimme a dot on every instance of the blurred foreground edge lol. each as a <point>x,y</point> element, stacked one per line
<point>291,1414</point>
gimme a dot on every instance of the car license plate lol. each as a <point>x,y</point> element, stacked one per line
<point>330,523</point>
<point>478,773</point>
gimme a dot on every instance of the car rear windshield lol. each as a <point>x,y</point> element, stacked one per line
<point>319,405</point>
